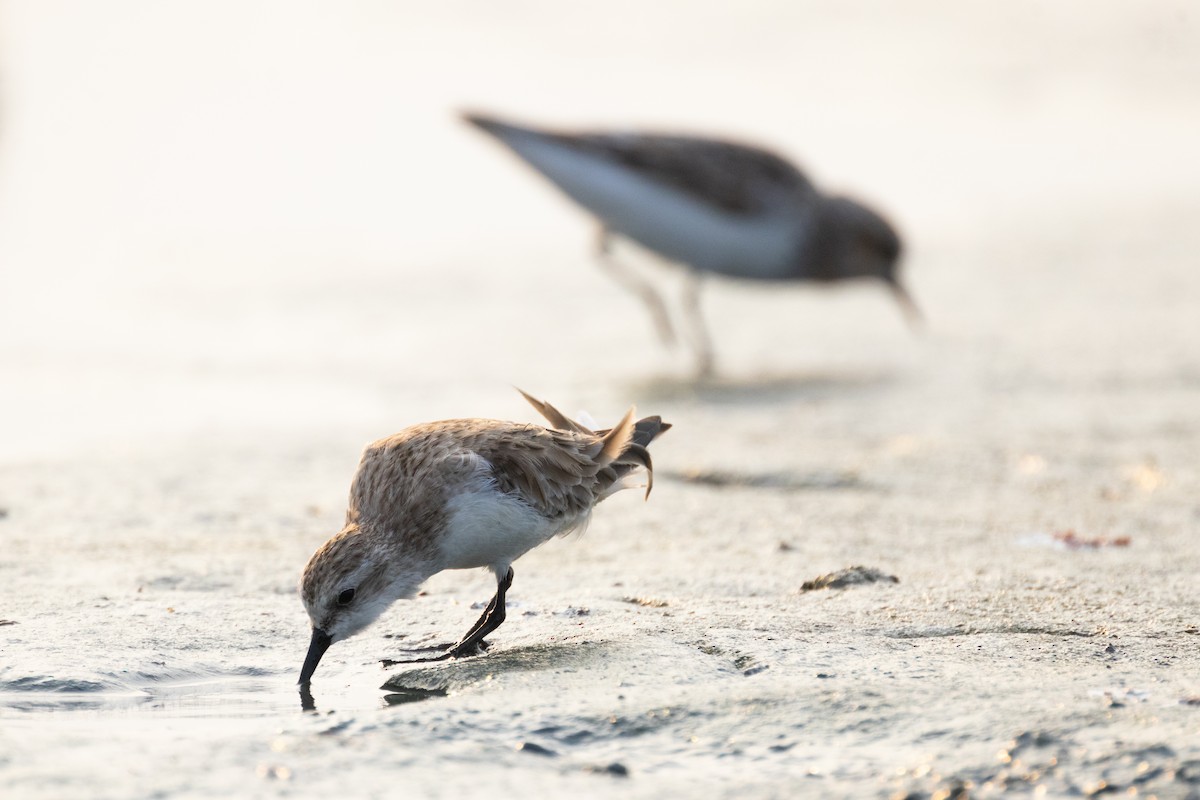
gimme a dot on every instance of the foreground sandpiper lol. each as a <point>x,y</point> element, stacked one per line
<point>714,206</point>
<point>460,494</point>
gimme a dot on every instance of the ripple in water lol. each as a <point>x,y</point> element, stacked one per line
<point>187,691</point>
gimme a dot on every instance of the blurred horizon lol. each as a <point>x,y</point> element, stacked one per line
<point>181,183</point>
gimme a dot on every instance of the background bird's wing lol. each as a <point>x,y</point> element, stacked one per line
<point>733,177</point>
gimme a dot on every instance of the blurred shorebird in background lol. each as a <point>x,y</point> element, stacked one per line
<point>714,206</point>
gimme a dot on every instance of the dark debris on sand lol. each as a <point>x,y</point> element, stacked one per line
<point>850,576</point>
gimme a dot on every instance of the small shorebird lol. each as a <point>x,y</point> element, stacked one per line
<point>714,206</point>
<point>460,494</point>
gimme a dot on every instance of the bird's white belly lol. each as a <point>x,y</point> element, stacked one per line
<point>663,218</point>
<point>487,528</point>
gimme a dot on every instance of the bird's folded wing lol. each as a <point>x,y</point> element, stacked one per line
<point>734,178</point>
<point>554,472</point>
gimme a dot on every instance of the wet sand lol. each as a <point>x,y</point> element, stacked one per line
<point>180,436</point>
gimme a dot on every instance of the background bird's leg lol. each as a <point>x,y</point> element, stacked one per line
<point>623,276</point>
<point>697,332</point>
<point>912,312</point>
<point>491,619</point>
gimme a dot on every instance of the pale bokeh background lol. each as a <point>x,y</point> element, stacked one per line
<point>231,215</point>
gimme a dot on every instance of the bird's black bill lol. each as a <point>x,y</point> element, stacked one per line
<point>316,648</point>
<point>912,312</point>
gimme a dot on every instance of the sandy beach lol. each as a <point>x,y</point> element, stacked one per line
<point>232,254</point>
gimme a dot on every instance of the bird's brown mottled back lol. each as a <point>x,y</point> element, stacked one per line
<point>733,177</point>
<point>555,472</point>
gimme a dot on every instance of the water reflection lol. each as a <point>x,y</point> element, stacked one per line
<point>403,695</point>
<point>307,703</point>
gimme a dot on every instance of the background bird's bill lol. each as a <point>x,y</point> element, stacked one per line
<point>908,306</point>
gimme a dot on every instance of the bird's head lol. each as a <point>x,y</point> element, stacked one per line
<point>346,585</point>
<point>870,248</point>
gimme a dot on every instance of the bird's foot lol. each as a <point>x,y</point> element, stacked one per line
<point>439,647</point>
<point>467,649</point>
<point>460,650</point>
<point>391,662</point>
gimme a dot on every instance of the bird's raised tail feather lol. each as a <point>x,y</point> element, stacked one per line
<point>553,415</point>
<point>623,446</point>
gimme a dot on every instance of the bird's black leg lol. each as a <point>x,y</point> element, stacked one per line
<point>491,619</point>
<point>697,330</point>
<point>487,612</point>
<point>472,643</point>
<point>625,277</point>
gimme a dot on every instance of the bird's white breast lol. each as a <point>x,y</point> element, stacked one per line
<point>488,528</point>
<point>663,218</point>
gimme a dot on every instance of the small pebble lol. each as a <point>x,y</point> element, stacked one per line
<point>616,769</point>
<point>536,749</point>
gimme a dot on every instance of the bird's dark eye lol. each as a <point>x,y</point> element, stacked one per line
<point>346,597</point>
